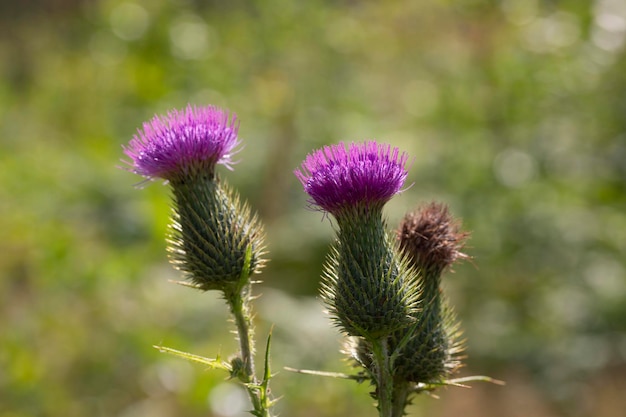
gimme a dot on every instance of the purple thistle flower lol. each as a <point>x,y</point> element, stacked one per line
<point>187,142</point>
<point>366,173</point>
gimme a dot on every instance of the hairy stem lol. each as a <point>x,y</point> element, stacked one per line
<point>400,398</point>
<point>238,303</point>
<point>384,378</point>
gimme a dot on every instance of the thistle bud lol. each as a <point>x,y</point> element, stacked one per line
<point>431,240</point>
<point>212,236</point>
<point>429,348</point>
<point>214,239</point>
<point>368,290</point>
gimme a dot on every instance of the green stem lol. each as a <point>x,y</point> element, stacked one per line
<point>239,309</point>
<point>401,391</point>
<point>384,378</point>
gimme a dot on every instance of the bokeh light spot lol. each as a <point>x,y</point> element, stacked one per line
<point>514,168</point>
<point>548,34</point>
<point>129,21</point>
<point>191,38</point>
<point>228,400</point>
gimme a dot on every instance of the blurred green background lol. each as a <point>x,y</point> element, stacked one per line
<point>513,111</point>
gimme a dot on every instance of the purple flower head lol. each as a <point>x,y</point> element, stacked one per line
<point>366,173</point>
<point>185,143</point>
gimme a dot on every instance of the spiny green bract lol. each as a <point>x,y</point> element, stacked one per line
<point>426,352</point>
<point>431,352</point>
<point>369,290</point>
<point>211,232</point>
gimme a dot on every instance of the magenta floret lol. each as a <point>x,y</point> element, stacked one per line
<point>365,173</point>
<point>185,142</point>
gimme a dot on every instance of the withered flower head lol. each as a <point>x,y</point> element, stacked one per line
<point>431,237</point>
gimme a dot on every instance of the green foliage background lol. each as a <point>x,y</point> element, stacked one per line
<point>514,112</point>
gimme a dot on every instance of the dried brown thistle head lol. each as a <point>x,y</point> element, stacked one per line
<point>431,238</point>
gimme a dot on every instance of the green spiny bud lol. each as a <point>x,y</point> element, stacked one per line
<point>426,355</point>
<point>212,234</point>
<point>369,291</point>
<point>428,349</point>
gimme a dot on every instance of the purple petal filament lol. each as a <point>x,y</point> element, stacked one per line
<point>185,142</point>
<point>365,173</point>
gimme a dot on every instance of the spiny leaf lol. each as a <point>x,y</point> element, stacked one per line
<point>216,363</point>
<point>267,373</point>
<point>457,382</point>
<point>358,378</point>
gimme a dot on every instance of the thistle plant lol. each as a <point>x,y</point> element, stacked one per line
<point>370,291</point>
<point>428,353</point>
<point>366,286</point>
<point>385,293</point>
<point>382,289</point>
<point>214,239</point>
<point>432,240</point>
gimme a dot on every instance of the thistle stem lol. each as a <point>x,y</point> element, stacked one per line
<point>239,308</point>
<point>384,378</point>
<point>400,397</point>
